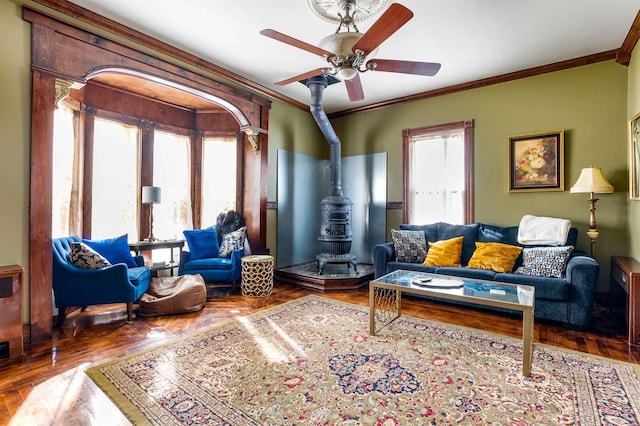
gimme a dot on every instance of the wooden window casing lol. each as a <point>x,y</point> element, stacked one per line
<point>408,134</point>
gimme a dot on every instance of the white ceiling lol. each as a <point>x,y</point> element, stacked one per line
<point>472,39</point>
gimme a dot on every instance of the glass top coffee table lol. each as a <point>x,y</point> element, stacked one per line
<point>385,294</point>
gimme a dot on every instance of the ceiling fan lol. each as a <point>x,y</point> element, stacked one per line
<point>348,53</point>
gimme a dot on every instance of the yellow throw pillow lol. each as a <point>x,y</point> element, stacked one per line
<point>444,252</point>
<point>495,256</point>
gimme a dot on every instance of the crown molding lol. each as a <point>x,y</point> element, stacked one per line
<point>623,55</point>
<point>530,72</point>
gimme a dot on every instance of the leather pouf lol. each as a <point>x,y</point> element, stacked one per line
<point>174,295</point>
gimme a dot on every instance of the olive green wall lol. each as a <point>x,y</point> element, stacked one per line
<point>588,103</point>
<point>633,108</point>
<point>15,122</point>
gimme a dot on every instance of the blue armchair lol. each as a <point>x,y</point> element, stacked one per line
<point>216,269</point>
<point>73,286</point>
<point>204,258</point>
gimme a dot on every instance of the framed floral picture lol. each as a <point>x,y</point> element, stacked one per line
<point>536,162</point>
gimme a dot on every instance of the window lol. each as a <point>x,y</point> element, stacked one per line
<point>115,180</point>
<point>116,177</point>
<point>62,175</point>
<point>438,174</point>
<point>219,165</point>
<point>125,156</point>
<point>172,173</point>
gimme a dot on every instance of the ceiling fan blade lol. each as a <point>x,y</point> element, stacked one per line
<point>307,74</point>
<point>390,21</point>
<point>295,42</point>
<point>406,67</point>
<point>354,89</point>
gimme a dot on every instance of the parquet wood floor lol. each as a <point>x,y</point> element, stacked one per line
<point>48,385</point>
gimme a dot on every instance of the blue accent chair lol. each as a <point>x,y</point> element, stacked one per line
<point>215,269</point>
<point>202,258</point>
<point>74,286</point>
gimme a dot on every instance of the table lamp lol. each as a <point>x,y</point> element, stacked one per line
<point>151,196</point>
<point>592,181</point>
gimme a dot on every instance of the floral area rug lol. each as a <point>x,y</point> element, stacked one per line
<point>313,362</point>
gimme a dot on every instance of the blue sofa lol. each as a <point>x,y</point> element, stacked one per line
<point>567,299</point>
<point>73,286</point>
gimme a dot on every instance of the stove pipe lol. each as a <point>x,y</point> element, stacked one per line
<point>336,209</point>
<point>317,85</point>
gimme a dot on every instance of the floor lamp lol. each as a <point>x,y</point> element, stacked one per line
<point>151,196</point>
<point>592,181</point>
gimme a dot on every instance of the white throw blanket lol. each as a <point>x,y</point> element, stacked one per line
<point>543,230</point>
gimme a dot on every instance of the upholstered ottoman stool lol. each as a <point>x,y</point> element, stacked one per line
<point>257,276</point>
<point>174,295</point>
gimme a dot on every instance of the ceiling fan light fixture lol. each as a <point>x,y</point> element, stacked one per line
<point>347,73</point>
<point>347,52</point>
<point>340,43</point>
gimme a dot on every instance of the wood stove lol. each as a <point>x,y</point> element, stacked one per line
<point>336,209</point>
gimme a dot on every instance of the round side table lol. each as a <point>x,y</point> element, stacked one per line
<point>257,276</point>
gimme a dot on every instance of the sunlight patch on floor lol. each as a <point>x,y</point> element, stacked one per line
<point>68,398</point>
<point>273,351</point>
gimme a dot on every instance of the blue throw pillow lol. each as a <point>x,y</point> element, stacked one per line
<point>115,250</point>
<point>497,234</point>
<point>203,243</point>
<point>430,230</point>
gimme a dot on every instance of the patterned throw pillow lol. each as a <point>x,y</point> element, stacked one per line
<point>410,246</point>
<point>497,257</point>
<point>84,257</point>
<point>233,241</point>
<point>445,252</point>
<point>545,261</point>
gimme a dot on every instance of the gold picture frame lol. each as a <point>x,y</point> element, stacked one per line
<point>634,158</point>
<point>536,162</point>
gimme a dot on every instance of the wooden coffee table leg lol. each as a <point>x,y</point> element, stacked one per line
<point>527,341</point>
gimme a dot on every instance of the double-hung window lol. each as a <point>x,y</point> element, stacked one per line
<point>114,195</point>
<point>438,167</point>
<point>172,173</point>
<point>63,219</point>
<point>219,169</point>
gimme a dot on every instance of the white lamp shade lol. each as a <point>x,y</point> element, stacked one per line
<point>591,179</point>
<point>340,43</point>
<point>151,195</point>
<point>347,73</point>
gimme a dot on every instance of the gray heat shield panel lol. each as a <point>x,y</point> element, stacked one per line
<point>303,181</point>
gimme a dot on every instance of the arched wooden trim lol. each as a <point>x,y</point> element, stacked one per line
<point>239,116</point>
